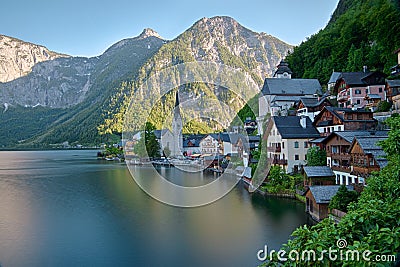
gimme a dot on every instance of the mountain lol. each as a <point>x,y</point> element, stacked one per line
<point>359,33</point>
<point>219,39</point>
<point>75,99</point>
<point>63,98</point>
<point>18,57</point>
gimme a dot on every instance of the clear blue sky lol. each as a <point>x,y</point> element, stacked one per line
<point>89,27</point>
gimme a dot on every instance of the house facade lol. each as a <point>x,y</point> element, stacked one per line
<point>312,106</point>
<point>353,87</point>
<point>318,198</point>
<point>288,141</point>
<point>367,156</point>
<point>333,119</point>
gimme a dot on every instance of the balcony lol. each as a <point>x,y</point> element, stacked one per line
<point>341,168</point>
<point>340,156</point>
<point>359,169</point>
<point>342,98</point>
<point>279,161</point>
<point>274,149</point>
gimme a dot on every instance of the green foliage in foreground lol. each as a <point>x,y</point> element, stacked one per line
<point>372,223</point>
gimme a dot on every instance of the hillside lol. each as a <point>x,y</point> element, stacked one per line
<point>360,33</point>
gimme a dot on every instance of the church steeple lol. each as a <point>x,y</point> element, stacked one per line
<point>177,148</point>
<point>283,70</point>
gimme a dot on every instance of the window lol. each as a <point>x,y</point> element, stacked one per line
<point>283,144</point>
<point>349,116</point>
<point>305,157</point>
<point>380,89</point>
<point>359,116</point>
<point>358,92</point>
<point>366,91</point>
<point>296,157</point>
<point>358,101</point>
<point>296,144</point>
<point>305,144</point>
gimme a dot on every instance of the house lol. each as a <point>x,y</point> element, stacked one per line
<point>367,156</point>
<point>219,143</point>
<point>353,87</point>
<point>318,175</point>
<point>395,70</point>
<point>312,106</point>
<point>288,141</point>
<point>332,81</point>
<point>372,101</point>
<point>281,92</point>
<point>318,198</point>
<point>210,145</point>
<point>332,119</point>
<point>337,146</point>
<point>191,144</point>
<point>392,89</point>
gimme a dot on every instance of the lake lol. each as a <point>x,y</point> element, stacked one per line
<point>66,208</point>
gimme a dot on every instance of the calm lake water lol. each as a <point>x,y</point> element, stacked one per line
<point>66,208</point>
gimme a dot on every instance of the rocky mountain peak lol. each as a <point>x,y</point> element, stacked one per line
<point>147,32</point>
<point>18,57</point>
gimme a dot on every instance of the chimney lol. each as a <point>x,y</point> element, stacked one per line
<point>365,68</point>
<point>303,121</point>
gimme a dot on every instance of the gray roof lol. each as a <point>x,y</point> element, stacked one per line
<point>334,77</point>
<point>369,144</point>
<point>393,83</point>
<point>359,78</point>
<point>192,138</point>
<point>324,193</point>
<point>318,171</point>
<point>349,135</point>
<point>289,127</point>
<point>287,98</point>
<point>274,86</point>
<point>312,101</point>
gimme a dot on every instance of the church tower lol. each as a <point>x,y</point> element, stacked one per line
<point>177,146</point>
<point>283,71</point>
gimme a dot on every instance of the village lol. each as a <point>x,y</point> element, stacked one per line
<point>345,122</point>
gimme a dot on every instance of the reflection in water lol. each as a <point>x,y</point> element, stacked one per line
<point>65,208</point>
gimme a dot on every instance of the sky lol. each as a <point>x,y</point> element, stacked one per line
<point>89,27</point>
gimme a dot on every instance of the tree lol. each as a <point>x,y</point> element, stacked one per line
<point>278,180</point>
<point>316,157</point>
<point>383,106</point>
<point>148,145</point>
<point>343,198</point>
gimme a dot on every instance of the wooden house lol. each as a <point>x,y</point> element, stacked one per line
<point>367,156</point>
<point>332,119</point>
<point>318,198</point>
